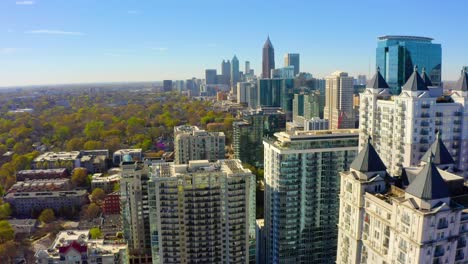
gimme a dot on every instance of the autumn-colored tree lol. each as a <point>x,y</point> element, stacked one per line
<point>92,211</point>
<point>47,216</point>
<point>6,231</point>
<point>5,210</point>
<point>95,233</point>
<point>80,177</point>
<point>98,194</point>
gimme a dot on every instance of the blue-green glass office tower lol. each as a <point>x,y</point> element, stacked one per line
<point>397,55</point>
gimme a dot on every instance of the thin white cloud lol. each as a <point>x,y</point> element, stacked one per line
<point>212,45</point>
<point>133,12</point>
<point>9,50</point>
<point>25,2</point>
<point>55,32</point>
<point>160,48</point>
<point>113,54</point>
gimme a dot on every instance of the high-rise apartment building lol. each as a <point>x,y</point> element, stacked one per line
<point>210,76</point>
<point>339,101</point>
<point>292,59</point>
<point>268,59</point>
<point>421,217</point>
<point>234,73</point>
<point>192,143</point>
<point>301,186</point>
<point>134,209</point>
<point>249,131</point>
<point>403,126</point>
<point>397,55</point>
<point>306,106</point>
<point>202,212</point>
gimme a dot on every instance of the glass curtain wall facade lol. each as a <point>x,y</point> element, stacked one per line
<point>397,55</point>
<point>302,183</point>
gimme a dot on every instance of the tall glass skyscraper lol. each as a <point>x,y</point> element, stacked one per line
<point>397,55</point>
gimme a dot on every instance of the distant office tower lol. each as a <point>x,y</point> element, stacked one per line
<point>301,185</point>
<point>202,212</point>
<point>252,96</point>
<point>234,72</point>
<point>339,101</point>
<point>269,92</point>
<point>192,87</point>
<point>210,76</point>
<point>315,123</point>
<point>292,59</point>
<point>167,85</point>
<point>361,80</point>
<point>180,85</point>
<point>283,73</point>
<point>276,93</point>
<point>403,126</point>
<point>421,219</point>
<point>268,61</point>
<point>397,55</point>
<point>250,129</point>
<point>226,71</point>
<point>306,106</point>
<point>134,209</point>
<point>247,67</point>
<point>191,143</point>
<point>243,89</point>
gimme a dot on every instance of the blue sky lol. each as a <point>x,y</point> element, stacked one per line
<point>78,41</point>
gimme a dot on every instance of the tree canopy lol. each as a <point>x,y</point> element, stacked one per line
<point>47,216</point>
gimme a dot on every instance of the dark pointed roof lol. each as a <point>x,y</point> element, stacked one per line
<point>462,83</point>
<point>428,184</point>
<point>426,78</point>
<point>415,82</point>
<point>378,81</point>
<point>234,58</point>
<point>368,160</point>
<point>440,153</point>
<point>268,43</point>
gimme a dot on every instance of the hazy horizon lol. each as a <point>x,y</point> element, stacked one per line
<point>77,42</point>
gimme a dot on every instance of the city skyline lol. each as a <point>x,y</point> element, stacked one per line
<point>53,42</point>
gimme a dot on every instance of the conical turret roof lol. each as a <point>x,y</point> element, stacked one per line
<point>462,83</point>
<point>426,78</point>
<point>368,160</point>
<point>439,152</point>
<point>378,81</point>
<point>415,82</point>
<point>429,184</point>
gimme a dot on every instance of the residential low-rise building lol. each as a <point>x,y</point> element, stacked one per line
<point>106,183</point>
<point>135,154</point>
<point>23,175</point>
<point>55,160</point>
<point>76,246</point>
<point>111,204</point>
<point>25,204</point>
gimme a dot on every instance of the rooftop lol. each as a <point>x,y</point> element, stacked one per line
<point>56,156</point>
<point>400,37</point>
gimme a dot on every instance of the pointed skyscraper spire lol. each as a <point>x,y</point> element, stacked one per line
<point>426,78</point>
<point>368,160</point>
<point>429,184</point>
<point>439,153</point>
<point>462,83</point>
<point>378,81</point>
<point>415,82</point>
<point>268,58</point>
